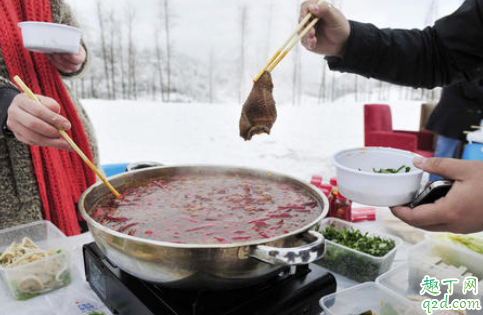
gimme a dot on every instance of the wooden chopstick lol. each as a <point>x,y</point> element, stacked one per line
<point>476,127</point>
<point>280,53</point>
<point>64,135</point>
<point>304,32</point>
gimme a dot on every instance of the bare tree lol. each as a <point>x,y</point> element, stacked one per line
<point>333,87</point>
<point>432,14</point>
<point>120,50</point>
<point>243,28</point>
<point>132,52</point>
<point>93,87</point>
<point>83,88</point>
<point>211,70</point>
<point>153,85</point>
<point>322,87</point>
<point>296,78</point>
<point>112,57</point>
<point>381,86</point>
<point>159,62</point>
<point>356,87</point>
<point>167,29</point>
<point>101,19</point>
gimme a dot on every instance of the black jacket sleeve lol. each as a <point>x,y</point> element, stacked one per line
<point>448,52</point>
<point>473,91</point>
<point>7,94</point>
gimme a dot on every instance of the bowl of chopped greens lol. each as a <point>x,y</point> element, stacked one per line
<point>356,253</point>
<point>377,176</point>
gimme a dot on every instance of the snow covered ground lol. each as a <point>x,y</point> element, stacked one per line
<point>302,142</point>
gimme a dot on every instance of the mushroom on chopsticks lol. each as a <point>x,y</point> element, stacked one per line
<point>259,112</point>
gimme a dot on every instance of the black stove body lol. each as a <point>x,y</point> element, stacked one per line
<point>296,291</point>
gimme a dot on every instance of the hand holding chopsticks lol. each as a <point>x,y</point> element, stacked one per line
<point>329,39</point>
<point>282,52</point>
<point>64,135</point>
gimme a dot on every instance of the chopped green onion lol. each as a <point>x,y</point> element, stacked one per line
<point>392,170</point>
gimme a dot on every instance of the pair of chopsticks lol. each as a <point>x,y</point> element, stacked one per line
<point>282,52</point>
<point>64,135</point>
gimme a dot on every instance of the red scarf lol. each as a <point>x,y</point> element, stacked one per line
<point>61,175</point>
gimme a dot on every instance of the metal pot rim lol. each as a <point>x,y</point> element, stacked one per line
<point>91,221</point>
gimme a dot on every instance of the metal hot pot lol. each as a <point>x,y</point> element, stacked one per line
<point>205,266</point>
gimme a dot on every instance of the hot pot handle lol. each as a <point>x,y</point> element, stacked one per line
<point>140,165</point>
<point>292,256</point>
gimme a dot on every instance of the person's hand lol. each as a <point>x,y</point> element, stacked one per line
<point>68,63</point>
<point>461,210</point>
<point>330,34</point>
<point>35,124</point>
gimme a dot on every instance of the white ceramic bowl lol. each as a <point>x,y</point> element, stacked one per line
<point>50,37</point>
<point>357,181</point>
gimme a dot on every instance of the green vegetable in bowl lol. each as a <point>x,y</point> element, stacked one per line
<point>392,170</point>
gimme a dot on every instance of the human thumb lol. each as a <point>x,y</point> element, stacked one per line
<point>327,12</point>
<point>448,168</point>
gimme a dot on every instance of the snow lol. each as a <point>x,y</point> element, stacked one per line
<point>301,144</point>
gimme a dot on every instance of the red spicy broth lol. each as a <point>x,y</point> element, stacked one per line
<point>207,209</point>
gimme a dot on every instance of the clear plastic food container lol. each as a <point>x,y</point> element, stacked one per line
<point>397,281</point>
<point>365,297</point>
<point>442,259</point>
<point>41,276</point>
<point>352,263</point>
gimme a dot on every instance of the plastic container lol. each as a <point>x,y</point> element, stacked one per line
<point>358,182</point>
<point>367,297</point>
<point>442,259</point>
<point>351,263</point>
<point>42,276</point>
<point>397,280</point>
<point>50,37</point>
<point>474,151</point>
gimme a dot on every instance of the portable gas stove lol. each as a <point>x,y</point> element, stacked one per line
<point>296,291</point>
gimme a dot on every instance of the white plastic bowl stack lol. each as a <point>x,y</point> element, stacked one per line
<point>357,181</point>
<point>50,37</point>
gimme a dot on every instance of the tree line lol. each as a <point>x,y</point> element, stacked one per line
<point>121,68</point>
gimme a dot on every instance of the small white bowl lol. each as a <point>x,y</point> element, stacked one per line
<point>357,181</point>
<point>50,37</point>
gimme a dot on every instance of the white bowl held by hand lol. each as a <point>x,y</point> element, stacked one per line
<point>357,180</point>
<point>50,37</point>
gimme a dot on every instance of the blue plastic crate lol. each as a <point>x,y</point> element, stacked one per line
<point>114,169</point>
<point>473,151</point>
